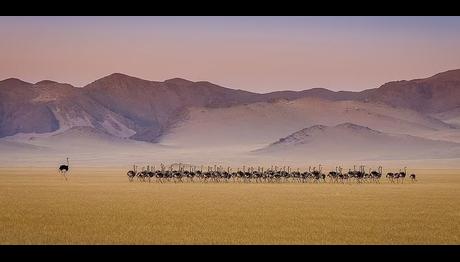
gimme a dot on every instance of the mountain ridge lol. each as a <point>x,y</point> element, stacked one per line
<point>119,102</point>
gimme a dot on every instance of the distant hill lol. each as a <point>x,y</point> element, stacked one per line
<point>351,141</point>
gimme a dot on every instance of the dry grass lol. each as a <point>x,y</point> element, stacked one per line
<point>101,207</point>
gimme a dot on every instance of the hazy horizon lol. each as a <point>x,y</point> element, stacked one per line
<point>258,54</point>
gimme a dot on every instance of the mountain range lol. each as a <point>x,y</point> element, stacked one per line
<point>179,113</point>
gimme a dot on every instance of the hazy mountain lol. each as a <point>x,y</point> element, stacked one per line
<point>153,106</point>
<point>351,141</point>
<point>434,94</point>
<point>260,123</point>
<point>18,111</point>
<point>125,106</point>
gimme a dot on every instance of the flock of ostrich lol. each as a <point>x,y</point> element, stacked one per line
<point>275,174</point>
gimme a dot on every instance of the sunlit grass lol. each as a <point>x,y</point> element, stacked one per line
<point>102,207</point>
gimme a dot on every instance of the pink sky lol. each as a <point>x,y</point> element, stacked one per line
<point>259,54</point>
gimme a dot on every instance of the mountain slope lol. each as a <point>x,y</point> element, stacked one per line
<point>451,117</point>
<point>154,106</point>
<point>18,112</point>
<point>351,141</point>
<point>260,123</point>
<point>435,94</point>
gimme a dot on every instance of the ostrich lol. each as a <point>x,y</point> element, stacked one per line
<point>333,176</point>
<point>64,168</point>
<point>141,176</point>
<point>412,178</point>
<point>375,175</point>
<point>150,174</point>
<point>402,174</point>
<point>159,175</point>
<point>192,176</point>
<point>343,177</point>
<point>131,174</point>
<point>359,176</point>
<point>390,176</point>
<point>318,175</point>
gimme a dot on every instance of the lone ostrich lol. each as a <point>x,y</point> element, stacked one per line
<point>64,168</point>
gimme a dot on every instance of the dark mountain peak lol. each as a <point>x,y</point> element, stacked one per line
<point>343,126</point>
<point>346,125</point>
<point>53,86</point>
<point>13,82</point>
<point>178,81</point>
<point>300,135</point>
<point>351,125</point>
<point>313,128</point>
<point>119,79</point>
<point>318,127</point>
<point>393,84</point>
<point>117,76</point>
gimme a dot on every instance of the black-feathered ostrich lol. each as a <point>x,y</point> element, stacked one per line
<point>131,174</point>
<point>402,174</point>
<point>318,174</point>
<point>64,168</point>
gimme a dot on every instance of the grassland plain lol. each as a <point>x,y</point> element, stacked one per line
<point>100,206</point>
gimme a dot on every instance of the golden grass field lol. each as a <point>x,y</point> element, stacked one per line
<point>98,206</point>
